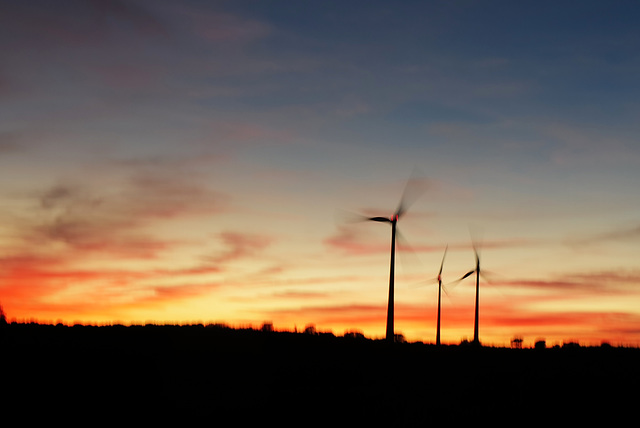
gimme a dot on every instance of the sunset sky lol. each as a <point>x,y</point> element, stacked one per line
<point>197,161</point>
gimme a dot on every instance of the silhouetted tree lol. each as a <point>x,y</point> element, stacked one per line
<point>3,317</point>
<point>516,342</point>
<point>540,344</point>
<point>267,326</point>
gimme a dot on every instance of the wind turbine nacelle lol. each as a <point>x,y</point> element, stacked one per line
<point>380,219</point>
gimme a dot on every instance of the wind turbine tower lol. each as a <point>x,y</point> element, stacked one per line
<point>476,339</point>
<point>390,305</point>
<point>411,192</point>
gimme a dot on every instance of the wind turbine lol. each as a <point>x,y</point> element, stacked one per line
<point>476,340</point>
<point>440,286</point>
<point>410,193</point>
<point>440,295</point>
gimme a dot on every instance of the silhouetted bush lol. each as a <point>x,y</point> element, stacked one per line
<point>3,317</point>
<point>540,344</point>
<point>267,326</point>
<point>354,334</point>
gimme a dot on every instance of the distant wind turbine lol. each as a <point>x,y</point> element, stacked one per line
<point>411,192</point>
<point>440,287</point>
<point>440,295</point>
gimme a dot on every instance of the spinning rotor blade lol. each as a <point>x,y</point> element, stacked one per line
<point>350,217</point>
<point>466,275</point>
<point>452,284</point>
<point>476,242</point>
<point>406,254</point>
<point>432,281</point>
<point>489,276</point>
<point>442,263</point>
<point>414,188</point>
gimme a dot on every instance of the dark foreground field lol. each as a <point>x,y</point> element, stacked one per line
<point>196,375</point>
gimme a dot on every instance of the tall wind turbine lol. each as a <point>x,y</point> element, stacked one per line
<point>411,192</point>
<point>476,340</point>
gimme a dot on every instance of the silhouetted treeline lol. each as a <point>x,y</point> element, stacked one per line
<point>186,373</point>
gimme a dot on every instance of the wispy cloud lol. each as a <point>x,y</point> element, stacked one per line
<point>629,233</point>
<point>77,23</point>
<point>592,147</point>
<point>85,234</point>
<point>240,246</point>
<point>572,285</point>
<point>112,221</point>
<point>300,295</point>
<point>352,242</point>
<point>214,25</point>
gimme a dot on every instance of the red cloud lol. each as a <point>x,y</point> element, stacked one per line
<point>241,245</point>
<point>72,225</point>
<point>293,294</point>
<point>32,286</point>
<point>172,294</point>
<point>47,286</point>
<point>353,315</point>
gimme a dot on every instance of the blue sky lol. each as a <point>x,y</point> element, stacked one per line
<point>191,161</point>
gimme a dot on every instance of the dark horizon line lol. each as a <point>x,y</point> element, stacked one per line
<point>310,330</point>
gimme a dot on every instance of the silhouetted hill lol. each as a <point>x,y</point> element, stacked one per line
<point>218,375</point>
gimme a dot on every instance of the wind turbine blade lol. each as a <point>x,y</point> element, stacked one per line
<point>442,263</point>
<point>413,189</point>
<point>445,289</point>
<point>486,275</point>
<point>425,283</point>
<point>350,217</point>
<point>451,285</point>
<point>476,233</point>
<point>406,254</point>
<point>466,275</point>
<point>402,241</point>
